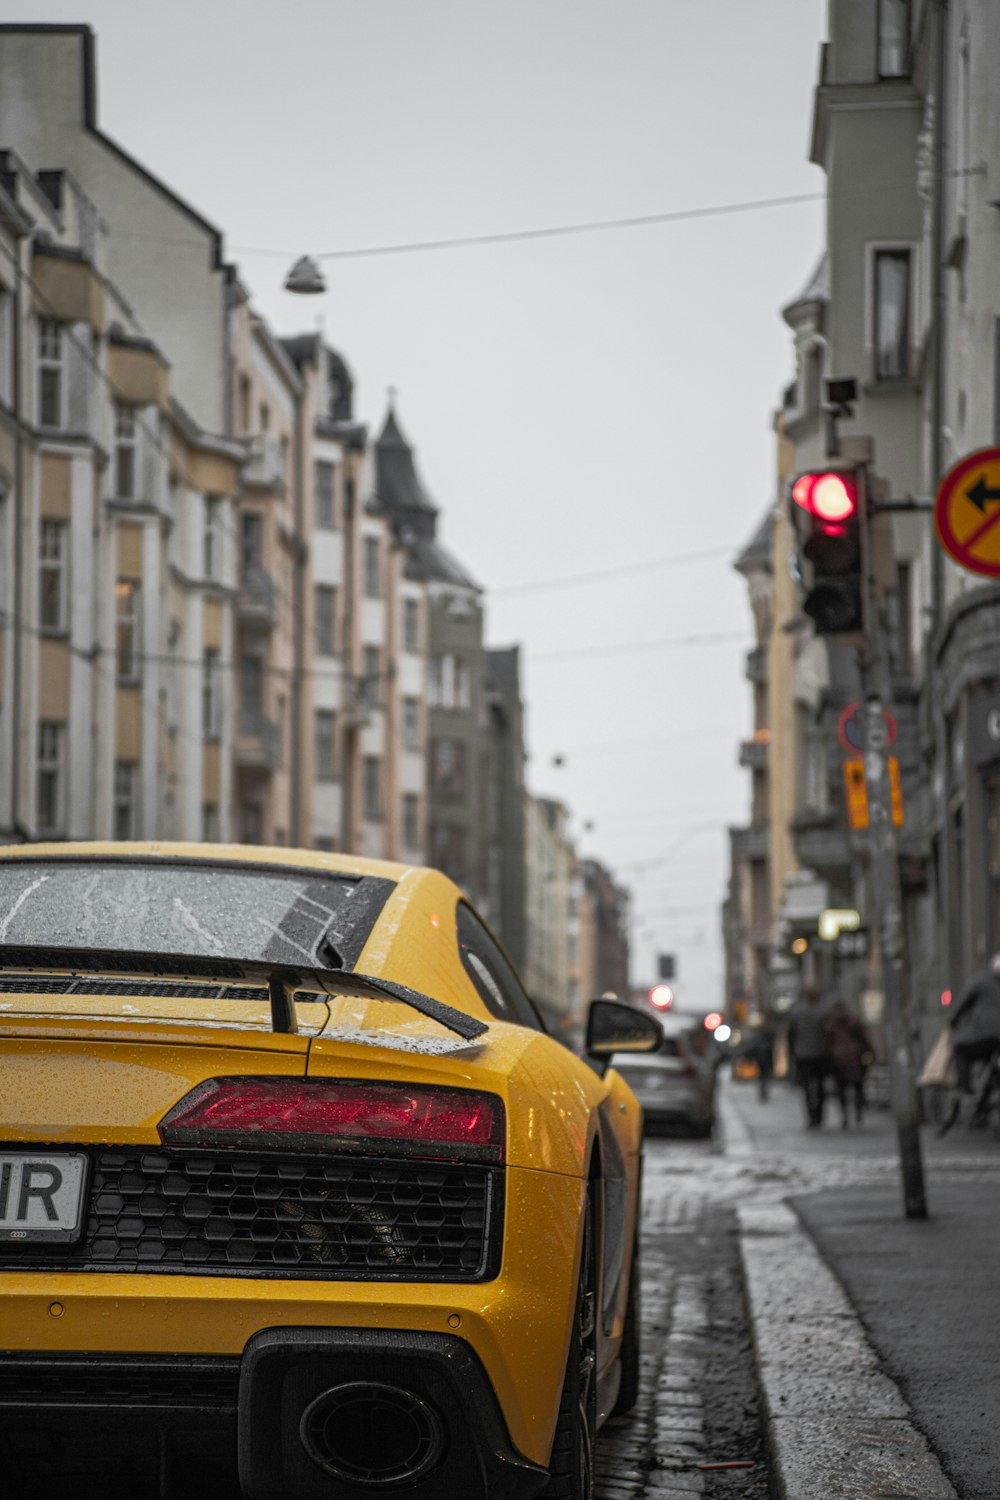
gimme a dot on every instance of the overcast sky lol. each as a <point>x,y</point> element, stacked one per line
<point>577,403</point>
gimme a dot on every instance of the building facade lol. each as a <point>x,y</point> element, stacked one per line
<point>905,303</point>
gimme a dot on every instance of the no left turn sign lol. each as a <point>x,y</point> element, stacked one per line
<point>967,512</point>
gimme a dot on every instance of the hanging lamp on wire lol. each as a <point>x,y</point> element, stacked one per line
<point>305,277</point>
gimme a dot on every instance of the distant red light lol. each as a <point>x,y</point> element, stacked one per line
<point>946,997</point>
<point>662,996</point>
<point>829,497</point>
<point>712,1020</point>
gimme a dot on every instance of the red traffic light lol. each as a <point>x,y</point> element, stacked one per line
<point>662,996</point>
<point>713,1020</point>
<point>830,496</point>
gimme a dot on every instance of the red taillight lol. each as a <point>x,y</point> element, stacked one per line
<point>299,1113</point>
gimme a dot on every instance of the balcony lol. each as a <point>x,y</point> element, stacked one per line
<point>257,600</point>
<point>756,665</point>
<point>266,463</point>
<point>258,743</point>
<point>754,755</point>
<point>751,843</point>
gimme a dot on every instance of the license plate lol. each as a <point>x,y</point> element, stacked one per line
<point>41,1196</point>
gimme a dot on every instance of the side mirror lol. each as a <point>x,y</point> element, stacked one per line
<point>613,1027</point>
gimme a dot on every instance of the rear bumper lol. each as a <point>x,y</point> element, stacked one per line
<point>233,1427</point>
<point>516,1325</point>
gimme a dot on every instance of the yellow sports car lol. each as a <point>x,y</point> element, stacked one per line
<point>297,1198</point>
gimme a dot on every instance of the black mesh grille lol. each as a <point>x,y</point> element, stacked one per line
<point>68,1380</point>
<point>346,1217</point>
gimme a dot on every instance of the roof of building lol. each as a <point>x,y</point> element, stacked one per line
<point>816,289</point>
<point>503,668</point>
<point>399,486</point>
<point>758,551</point>
<point>432,563</point>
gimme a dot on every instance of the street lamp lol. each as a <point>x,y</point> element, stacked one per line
<point>305,277</point>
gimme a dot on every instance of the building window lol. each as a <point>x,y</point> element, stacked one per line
<point>411,724</point>
<point>325,620</point>
<point>372,578</point>
<point>126,434</point>
<point>265,416</point>
<point>323,843</point>
<point>892,314</point>
<point>128,630</point>
<point>52,580</point>
<point>251,823</point>
<point>411,820</point>
<point>51,777</point>
<point>411,625</point>
<point>252,689</point>
<point>894,38</point>
<point>210,829</point>
<point>244,417</point>
<point>371,674</point>
<point>6,349</point>
<point>448,851</point>
<point>50,373</point>
<point>448,766</point>
<point>323,484</point>
<point>449,682</point>
<point>212,539</point>
<point>211,695</point>
<point>125,811</point>
<point>326,745</point>
<point>251,543</point>
<point>371,772</point>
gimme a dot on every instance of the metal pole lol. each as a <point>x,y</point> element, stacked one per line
<point>885,881</point>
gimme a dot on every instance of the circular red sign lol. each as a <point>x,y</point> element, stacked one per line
<point>851,728</point>
<point>966,528</point>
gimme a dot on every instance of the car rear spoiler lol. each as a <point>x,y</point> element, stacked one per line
<point>280,980</point>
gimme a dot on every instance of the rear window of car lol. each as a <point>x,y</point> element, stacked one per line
<point>202,910</point>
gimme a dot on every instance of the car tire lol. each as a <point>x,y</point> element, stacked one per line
<point>571,1466</point>
<point>628,1389</point>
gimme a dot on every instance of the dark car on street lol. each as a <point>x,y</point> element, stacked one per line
<point>675,1084</point>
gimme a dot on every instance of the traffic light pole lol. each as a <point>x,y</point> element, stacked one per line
<point>877,685</point>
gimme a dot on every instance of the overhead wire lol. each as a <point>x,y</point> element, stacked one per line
<point>598,575</point>
<point>549,231</point>
<point>706,639</point>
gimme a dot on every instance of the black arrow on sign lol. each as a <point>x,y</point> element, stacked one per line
<point>980,494</point>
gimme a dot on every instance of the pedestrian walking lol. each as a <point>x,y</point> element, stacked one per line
<point>849,1051</point>
<point>759,1045</point>
<point>807,1046</point>
<point>975,1025</point>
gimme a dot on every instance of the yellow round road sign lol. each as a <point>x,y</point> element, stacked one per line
<point>967,512</point>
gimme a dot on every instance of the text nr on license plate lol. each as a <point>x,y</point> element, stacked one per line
<point>41,1196</point>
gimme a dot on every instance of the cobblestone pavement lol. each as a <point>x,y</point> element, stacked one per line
<point>698,1406</point>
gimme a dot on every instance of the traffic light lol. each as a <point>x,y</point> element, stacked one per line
<point>831,499</point>
<point>661,996</point>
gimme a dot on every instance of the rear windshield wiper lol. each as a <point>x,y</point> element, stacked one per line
<point>280,980</point>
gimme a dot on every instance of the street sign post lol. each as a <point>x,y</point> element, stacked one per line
<point>967,512</point>
<point>884,806</point>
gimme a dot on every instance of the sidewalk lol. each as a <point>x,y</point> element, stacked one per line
<point>876,1337</point>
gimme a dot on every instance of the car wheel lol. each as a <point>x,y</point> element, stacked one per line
<point>628,1390</point>
<point>571,1467</point>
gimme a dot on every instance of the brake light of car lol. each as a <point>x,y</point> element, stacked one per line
<point>279,1113</point>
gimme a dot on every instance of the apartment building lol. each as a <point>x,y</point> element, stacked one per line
<point>267,393</point>
<point>446,622</point>
<point>550,874</point>
<point>904,302</point>
<point>115,546</point>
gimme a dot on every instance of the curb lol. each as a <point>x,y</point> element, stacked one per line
<point>837,1427</point>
